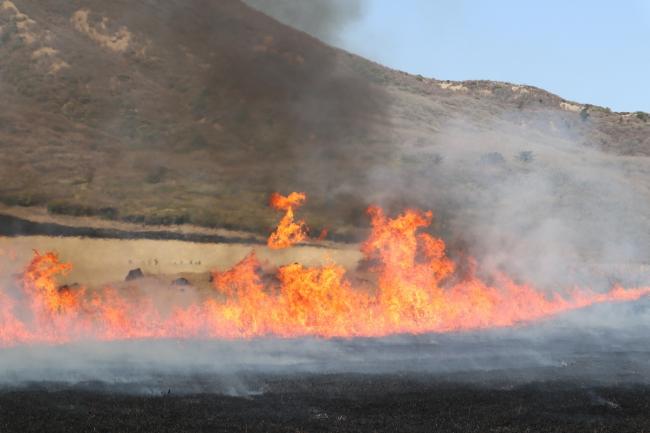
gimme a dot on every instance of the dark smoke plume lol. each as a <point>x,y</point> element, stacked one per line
<point>321,18</point>
<point>249,103</point>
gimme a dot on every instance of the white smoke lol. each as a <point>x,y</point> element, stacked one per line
<point>530,194</point>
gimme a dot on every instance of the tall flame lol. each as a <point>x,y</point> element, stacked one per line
<point>414,288</point>
<point>289,232</point>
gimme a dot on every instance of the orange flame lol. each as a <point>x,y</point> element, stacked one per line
<point>289,232</point>
<point>415,288</point>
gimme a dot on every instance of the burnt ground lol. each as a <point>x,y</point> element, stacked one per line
<point>339,403</point>
<point>14,226</point>
<point>587,371</point>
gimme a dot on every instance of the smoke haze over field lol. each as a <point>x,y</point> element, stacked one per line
<point>583,346</point>
<point>524,194</point>
<point>532,193</point>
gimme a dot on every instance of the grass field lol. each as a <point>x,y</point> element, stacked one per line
<point>102,261</point>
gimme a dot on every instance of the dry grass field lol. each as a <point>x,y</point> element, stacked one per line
<point>102,261</point>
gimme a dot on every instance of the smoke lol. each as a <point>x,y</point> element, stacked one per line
<point>519,191</point>
<point>324,19</point>
<point>281,94</point>
<point>526,194</point>
<point>585,346</point>
<point>217,86</point>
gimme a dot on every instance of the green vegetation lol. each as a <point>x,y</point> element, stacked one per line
<point>23,200</point>
<point>70,208</point>
<point>167,217</point>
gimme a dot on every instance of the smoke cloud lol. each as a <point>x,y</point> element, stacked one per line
<point>321,18</point>
<point>582,346</point>
<point>527,194</point>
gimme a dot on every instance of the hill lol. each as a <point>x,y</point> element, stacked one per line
<point>193,112</point>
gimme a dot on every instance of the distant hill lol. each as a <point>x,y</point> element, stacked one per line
<point>194,111</point>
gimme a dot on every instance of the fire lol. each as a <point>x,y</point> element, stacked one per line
<point>289,232</point>
<point>414,288</point>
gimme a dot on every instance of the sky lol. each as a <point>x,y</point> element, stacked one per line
<point>595,52</point>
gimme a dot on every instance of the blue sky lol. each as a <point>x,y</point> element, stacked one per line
<point>594,52</point>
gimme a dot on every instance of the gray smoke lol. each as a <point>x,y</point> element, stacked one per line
<point>582,345</point>
<point>525,193</point>
<point>321,18</point>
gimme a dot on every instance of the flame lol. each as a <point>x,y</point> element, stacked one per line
<point>414,288</point>
<point>289,232</point>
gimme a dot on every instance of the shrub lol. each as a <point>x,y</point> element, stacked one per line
<point>136,219</point>
<point>198,142</point>
<point>24,200</point>
<point>167,217</point>
<point>108,213</point>
<point>63,207</point>
<point>492,158</point>
<point>526,156</point>
<point>8,33</point>
<point>156,175</point>
<point>200,104</point>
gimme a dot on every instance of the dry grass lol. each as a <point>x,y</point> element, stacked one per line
<point>100,261</point>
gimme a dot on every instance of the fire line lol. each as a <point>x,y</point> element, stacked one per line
<point>415,288</point>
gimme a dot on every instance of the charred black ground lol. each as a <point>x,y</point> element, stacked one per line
<point>339,403</point>
<point>555,376</point>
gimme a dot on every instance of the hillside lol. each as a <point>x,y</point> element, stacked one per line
<point>192,112</point>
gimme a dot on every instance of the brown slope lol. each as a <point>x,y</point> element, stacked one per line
<point>194,111</point>
<point>191,111</point>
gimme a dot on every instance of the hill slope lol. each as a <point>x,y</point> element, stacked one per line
<point>194,111</point>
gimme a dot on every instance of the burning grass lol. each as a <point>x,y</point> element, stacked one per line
<point>289,232</point>
<point>411,287</point>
